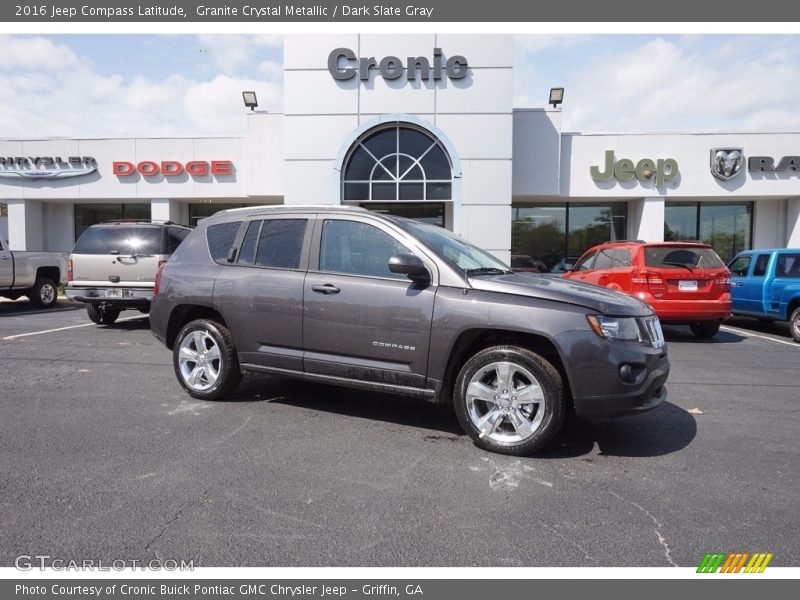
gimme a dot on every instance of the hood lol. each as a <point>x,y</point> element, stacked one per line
<point>602,300</point>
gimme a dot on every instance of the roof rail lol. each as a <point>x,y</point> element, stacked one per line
<point>293,206</point>
<point>155,221</point>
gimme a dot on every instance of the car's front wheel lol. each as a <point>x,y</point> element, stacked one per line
<point>509,400</point>
<point>205,360</point>
<point>794,324</point>
<point>705,329</point>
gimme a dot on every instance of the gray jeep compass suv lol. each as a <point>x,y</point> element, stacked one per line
<point>354,298</point>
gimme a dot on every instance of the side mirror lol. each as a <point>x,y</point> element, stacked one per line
<point>410,266</point>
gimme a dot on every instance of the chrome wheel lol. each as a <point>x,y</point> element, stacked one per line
<point>505,402</point>
<point>47,294</point>
<point>199,360</point>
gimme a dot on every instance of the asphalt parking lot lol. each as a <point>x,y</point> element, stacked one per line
<point>104,456</point>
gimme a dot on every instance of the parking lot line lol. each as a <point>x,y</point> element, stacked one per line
<point>763,337</point>
<point>19,335</point>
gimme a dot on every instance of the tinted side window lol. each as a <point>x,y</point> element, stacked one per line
<point>761,265</point>
<point>788,265</point>
<point>604,260</point>
<point>220,239</point>
<point>281,243</point>
<point>740,266</point>
<point>175,236</point>
<point>358,249</point>
<point>247,254</point>
<point>585,263</point>
<point>622,258</point>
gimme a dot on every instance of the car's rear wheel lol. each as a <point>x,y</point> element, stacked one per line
<point>509,400</point>
<point>704,329</point>
<point>794,324</point>
<point>102,316</point>
<point>44,293</point>
<point>205,360</point>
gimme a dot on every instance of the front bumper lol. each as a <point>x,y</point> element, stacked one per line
<point>130,298</point>
<point>646,397</point>
<point>612,377</point>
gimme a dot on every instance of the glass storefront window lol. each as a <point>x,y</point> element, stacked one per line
<point>592,224</point>
<point>90,214</point>
<point>206,209</point>
<point>425,212</point>
<point>726,227</point>
<point>557,233</point>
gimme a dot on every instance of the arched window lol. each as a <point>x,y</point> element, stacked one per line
<point>399,162</point>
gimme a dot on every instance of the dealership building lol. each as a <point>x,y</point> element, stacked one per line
<point>422,126</point>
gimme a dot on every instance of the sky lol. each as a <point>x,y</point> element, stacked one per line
<point>174,85</point>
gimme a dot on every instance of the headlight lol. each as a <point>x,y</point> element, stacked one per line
<point>616,328</point>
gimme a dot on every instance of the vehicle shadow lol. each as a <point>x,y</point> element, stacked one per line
<point>663,430</point>
<point>20,308</point>
<point>343,401</point>
<point>136,323</point>
<point>679,333</point>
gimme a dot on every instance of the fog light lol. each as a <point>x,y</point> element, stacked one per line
<point>631,373</point>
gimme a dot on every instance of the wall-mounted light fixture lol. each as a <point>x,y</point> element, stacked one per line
<point>250,100</point>
<point>556,96</point>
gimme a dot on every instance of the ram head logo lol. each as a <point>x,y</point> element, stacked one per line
<point>726,163</point>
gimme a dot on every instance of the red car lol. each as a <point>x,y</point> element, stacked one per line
<point>686,283</point>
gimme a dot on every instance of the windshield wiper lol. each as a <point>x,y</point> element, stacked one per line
<point>677,264</point>
<point>486,271</point>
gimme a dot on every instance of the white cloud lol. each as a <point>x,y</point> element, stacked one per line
<point>216,105</point>
<point>54,92</point>
<point>232,52</point>
<point>34,53</point>
<point>676,86</point>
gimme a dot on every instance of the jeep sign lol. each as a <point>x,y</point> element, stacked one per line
<point>624,169</point>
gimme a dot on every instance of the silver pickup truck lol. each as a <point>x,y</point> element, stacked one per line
<point>32,274</point>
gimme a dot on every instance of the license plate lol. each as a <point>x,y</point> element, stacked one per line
<point>114,293</point>
<point>687,286</point>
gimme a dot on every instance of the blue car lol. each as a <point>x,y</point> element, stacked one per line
<point>766,284</point>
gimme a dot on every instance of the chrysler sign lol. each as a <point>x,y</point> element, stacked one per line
<point>46,167</point>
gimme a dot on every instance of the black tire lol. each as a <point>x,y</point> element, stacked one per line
<point>227,366</point>
<point>44,293</point>
<point>102,316</point>
<point>794,324</point>
<point>552,390</point>
<point>704,329</point>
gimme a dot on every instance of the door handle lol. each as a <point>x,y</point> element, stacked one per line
<point>328,288</point>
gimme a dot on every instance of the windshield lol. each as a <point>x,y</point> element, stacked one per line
<point>457,251</point>
<point>137,241</point>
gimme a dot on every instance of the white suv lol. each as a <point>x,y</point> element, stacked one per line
<point>113,265</point>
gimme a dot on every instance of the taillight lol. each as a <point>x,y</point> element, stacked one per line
<point>724,282</point>
<point>69,270</point>
<point>647,279</point>
<point>157,284</point>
